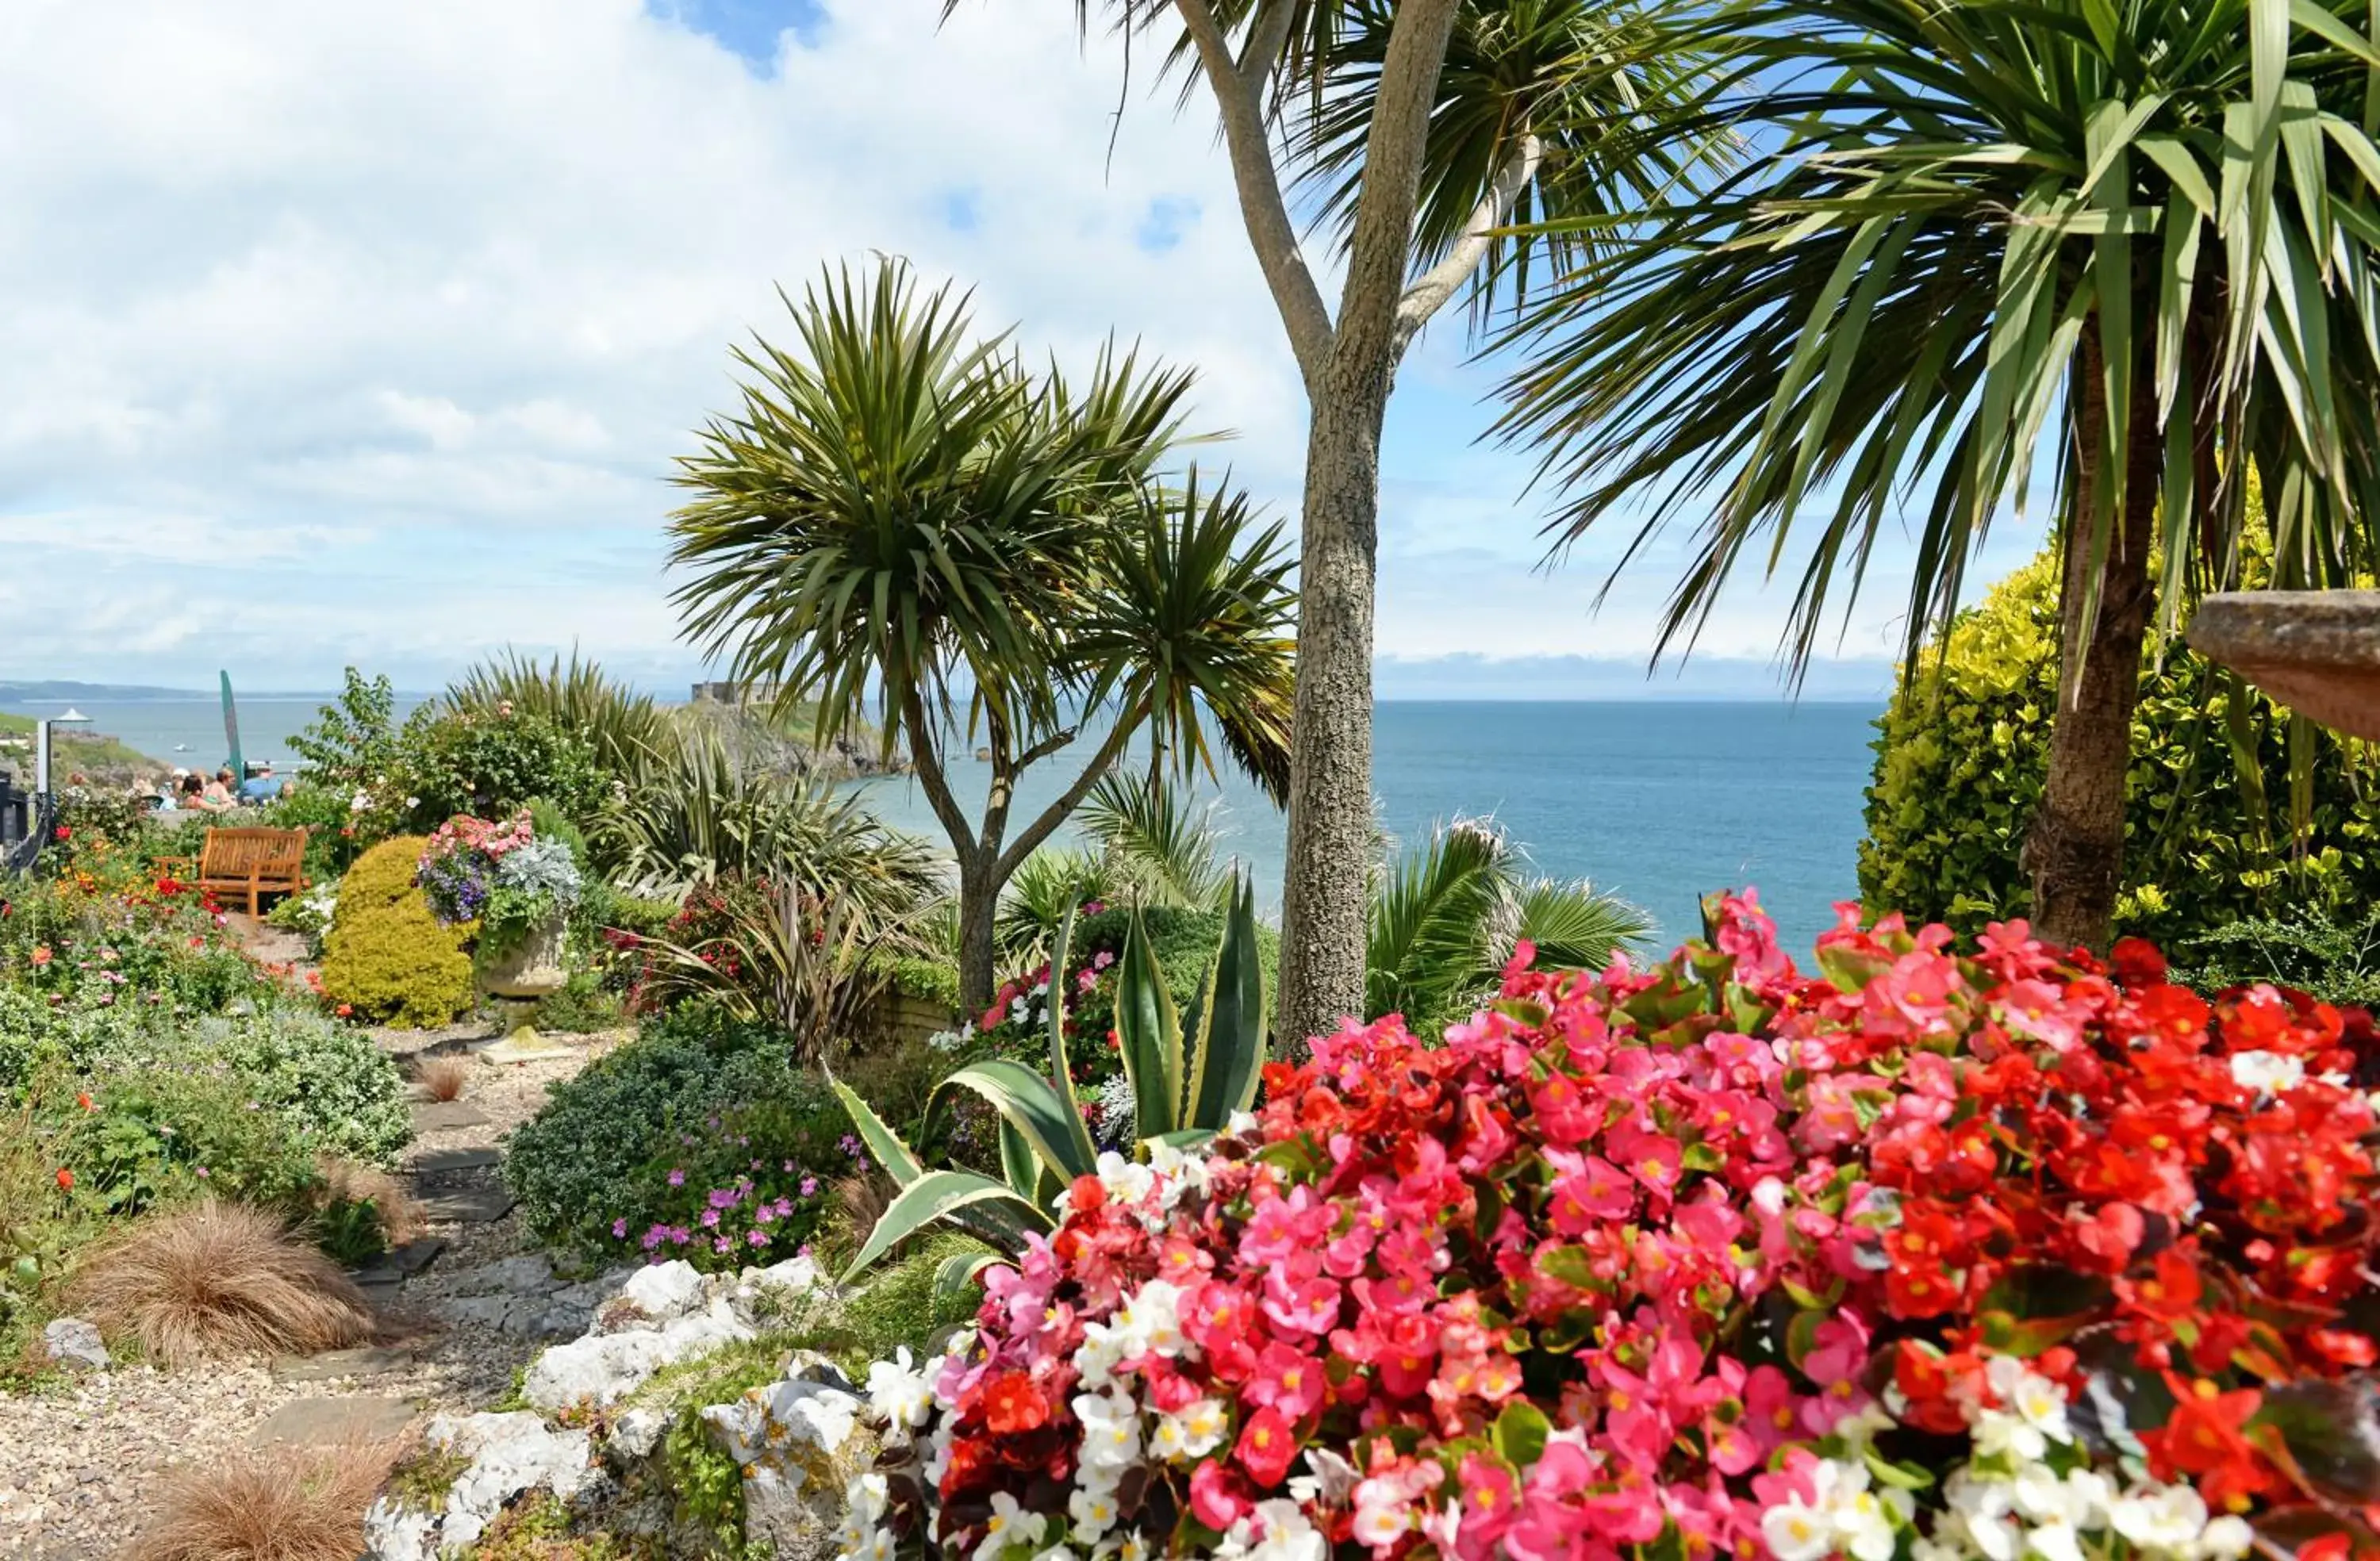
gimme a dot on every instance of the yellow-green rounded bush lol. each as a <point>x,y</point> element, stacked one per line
<point>1965,748</point>
<point>385,955</point>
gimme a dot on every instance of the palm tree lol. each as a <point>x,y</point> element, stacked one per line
<point>902,520</point>
<point>1417,130</point>
<point>1448,916</point>
<point>2134,242</point>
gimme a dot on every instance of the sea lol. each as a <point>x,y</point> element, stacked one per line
<point>1659,802</point>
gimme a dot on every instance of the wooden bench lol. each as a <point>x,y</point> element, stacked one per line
<point>247,862</point>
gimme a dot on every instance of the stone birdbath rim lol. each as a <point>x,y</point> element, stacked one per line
<point>2317,652</point>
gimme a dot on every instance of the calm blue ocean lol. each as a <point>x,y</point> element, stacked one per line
<point>1659,801</point>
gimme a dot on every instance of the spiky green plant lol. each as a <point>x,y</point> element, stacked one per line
<point>626,728</point>
<point>1187,1085</point>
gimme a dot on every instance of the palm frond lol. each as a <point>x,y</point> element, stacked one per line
<point>1153,839</point>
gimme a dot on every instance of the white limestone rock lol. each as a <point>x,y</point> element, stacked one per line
<point>665,1291</point>
<point>599,1369</point>
<point>798,1442</point>
<point>775,1286</point>
<point>74,1344</point>
<point>509,1452</point>
<point>636,1434</point>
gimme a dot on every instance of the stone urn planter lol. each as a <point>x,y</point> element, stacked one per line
<point>533,967</point>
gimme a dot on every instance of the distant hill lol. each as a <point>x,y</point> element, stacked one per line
<point>18,692</point>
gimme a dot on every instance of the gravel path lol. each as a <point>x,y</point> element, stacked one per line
<point>80,1458</point>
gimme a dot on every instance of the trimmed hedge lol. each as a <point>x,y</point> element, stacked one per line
<point>386,957</point>
<point>1962,752</point>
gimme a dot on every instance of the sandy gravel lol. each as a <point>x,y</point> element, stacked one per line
<point>81,1457</point>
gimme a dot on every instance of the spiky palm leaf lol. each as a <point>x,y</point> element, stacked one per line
<point>1047,886</point>
<point>626,729</point>
<point>1976,223</point>
<point>1168,851</point>
<point>1446,918</point>
<point>700,813</point>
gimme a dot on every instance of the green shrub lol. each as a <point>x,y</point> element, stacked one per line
<point>581,1008</point>
<point>490,766</point>
<point>2337,961</point>
<point>1184,942</point>
<point>336,1090</point>
<point>1964,749</point>
<point>155,1133</point>
<point>698,1095</point>
<point>386,956</point>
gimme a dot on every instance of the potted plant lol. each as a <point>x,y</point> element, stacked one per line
<point>518,887</point>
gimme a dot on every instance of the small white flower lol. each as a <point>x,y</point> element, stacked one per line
<point>2266,1073</point>
<point>1093,1509</point>
<point>1125,1181</point>
<point>2225,1539</point>
<point>1009,1524</point>
<point>1110,1431</point>
<point>1794,1531</point>
<point>900,1397</point>
<point>1192,1434</point>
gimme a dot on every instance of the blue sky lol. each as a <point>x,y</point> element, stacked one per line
<point>367,332</point>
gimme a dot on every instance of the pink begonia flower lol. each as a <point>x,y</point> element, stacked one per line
<point>1216,1496</point>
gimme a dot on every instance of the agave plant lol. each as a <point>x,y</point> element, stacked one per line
<point>1185,1086</point>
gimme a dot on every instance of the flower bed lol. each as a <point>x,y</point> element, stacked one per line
<point>1933,1255</point>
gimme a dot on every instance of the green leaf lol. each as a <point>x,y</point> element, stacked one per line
<point>1521,1432</point>
<point>1148,1035</point>
<point>955,1275</point>
<point>1028,1102</point>
<point>935,1196</point>
<point>1062,1076</point>
<point>884,1143</point>
<point>1227,1063</point>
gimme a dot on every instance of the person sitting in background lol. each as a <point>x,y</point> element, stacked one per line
<point>193,795</point>
<point>260,787</point>
<point>217,797</point>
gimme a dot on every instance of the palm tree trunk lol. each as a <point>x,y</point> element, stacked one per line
<point>2076,847</point>
<point>978,899</point>
<point>1330,766</point>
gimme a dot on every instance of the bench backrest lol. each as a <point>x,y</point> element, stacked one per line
<point>236,854</point>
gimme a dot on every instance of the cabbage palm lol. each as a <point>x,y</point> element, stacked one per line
<point>1415,131</point>
<point>2132,242</point>
<point>902,521</point>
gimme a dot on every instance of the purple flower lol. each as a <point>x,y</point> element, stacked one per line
<point>656,1236</point>
<point>619,1229</point>
<point>723,1244</point>
<point>680,1234</point>
<point>711,1217</point>
<point>677,1178</point>
<point>809,1187</point>
<point>764,1214</point>
<point>789,1167</point>
<point>722,1198</point>
<point>757,1238</point>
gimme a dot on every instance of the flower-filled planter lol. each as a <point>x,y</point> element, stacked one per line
<point>518,888</point>
<point>1998,1253</point>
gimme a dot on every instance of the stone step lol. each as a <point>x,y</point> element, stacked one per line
<point>469,1206</point>
<point>334,1364</point>
<point>446,1162</point>
<point>396,1267</point>
<point>322,1423</point>
<point>445,1115</point>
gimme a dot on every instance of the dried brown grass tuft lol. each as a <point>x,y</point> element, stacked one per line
<point>215,1279</point>
<point>444,1077</point>
<point>267,1504</point>
<point>352,1181</point>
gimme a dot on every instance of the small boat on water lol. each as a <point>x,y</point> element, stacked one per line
<point>181,747</point>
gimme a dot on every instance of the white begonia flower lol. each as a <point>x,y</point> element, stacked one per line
<point>1183,1171</point>
<point>1862,1426</point>
<point>899,1396</point>
<point>1239,1123</point>
<point>1110,1432</point>
<point>1104,1347</point>
<point>1276,1530</point>
<point>1792,1531</point>
<point>1383,1513</point>
<point>1153,1318</point>
<point>2225,1539</point>
<point>1009,1524</point>
<point>1056,1553</point>
<point>2266,1073</point>
<point>1093,1510</point>
<point>1329,1480</point>
<point>2155,1516</point>
<point>1194,1432</point>
<point>1926,1548</point>
<point>2055,1539</point>
<point>1979,1514</point>
<point>1125,1181</point>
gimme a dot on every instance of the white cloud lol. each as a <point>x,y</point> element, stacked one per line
<point>367,331</point>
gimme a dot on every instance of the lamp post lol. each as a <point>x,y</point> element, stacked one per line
<point>41,788</point>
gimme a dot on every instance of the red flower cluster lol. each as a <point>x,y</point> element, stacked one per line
<point>1669,1261</point>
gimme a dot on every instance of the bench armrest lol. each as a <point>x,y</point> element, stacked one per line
<point>178,867</point>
